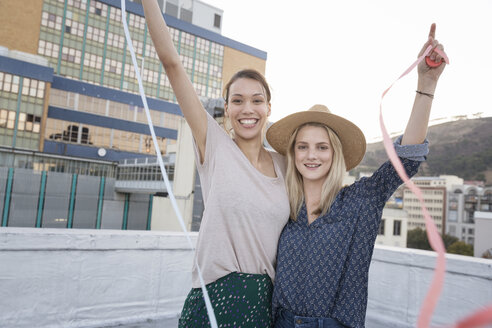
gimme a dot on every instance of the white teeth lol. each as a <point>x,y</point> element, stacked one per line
<point>312,165</point>
<point>248,121</point>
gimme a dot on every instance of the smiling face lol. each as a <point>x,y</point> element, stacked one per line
<point>247,108</point>
<point>313,153</point>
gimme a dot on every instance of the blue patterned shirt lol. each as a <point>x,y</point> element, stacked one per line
<point>322,268</point>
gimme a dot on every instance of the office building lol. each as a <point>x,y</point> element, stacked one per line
<point>463,202</point>
<point>71,121</point>
<point>434,191</point>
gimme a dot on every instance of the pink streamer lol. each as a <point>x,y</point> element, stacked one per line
<point>479,318</point>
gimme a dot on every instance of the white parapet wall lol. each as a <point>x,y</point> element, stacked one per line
<point>98,278</point>
<point>400,277</point>
<point>91,278</point>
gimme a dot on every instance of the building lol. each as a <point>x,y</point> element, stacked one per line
<point>195,12</point>
<point>74,139</point>
<point>482,246</point>
<point>463,202</point>
<point>393,228</point>
<point>434,191</point>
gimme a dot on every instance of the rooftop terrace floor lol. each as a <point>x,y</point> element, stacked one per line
<point>150,323</point>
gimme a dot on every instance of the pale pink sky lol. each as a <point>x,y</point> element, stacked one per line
<point>345,53</point>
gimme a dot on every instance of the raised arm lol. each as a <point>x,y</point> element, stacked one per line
<point>416,129</point>
<point>186,95</point>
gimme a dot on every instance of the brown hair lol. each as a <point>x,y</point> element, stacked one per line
<point>244,74</point>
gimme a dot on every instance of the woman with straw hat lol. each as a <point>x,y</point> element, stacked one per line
<point>325,249</point>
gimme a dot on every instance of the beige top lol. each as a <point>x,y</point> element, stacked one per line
<point>245,211</point>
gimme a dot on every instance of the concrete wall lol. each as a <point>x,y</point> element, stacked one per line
<point>235,60</point>
<point>483,233</point>
<point>204,15</point>
<point>91,278</point>
<point>163,216</point>
<point>399,279</point>
<point>96,278</point>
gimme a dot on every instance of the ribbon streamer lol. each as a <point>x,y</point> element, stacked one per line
<point>208,304</point>
<point>477,319</point>
<point>434,239</point>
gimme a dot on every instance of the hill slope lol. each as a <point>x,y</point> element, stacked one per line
<point>462,148</point>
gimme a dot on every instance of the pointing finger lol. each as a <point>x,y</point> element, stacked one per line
<point>432,32</point>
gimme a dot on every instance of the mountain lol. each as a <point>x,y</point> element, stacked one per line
<point>462,148</point>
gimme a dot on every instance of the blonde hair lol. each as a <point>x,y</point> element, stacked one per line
<point>333,181</point>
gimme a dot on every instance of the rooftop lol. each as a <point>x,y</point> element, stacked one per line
<point>139,279</point>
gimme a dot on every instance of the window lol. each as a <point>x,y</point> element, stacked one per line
<point>115,14</point>
<point>22,122</point>
<point>29,122</point>
<point>74,27</point>
<point>217,21</point>
<point>99,8</point>
<point>93,61</point>
<point>171,9</point>
<point>397,228</point>
<point>3,118</point>
<point>7,82</point>
<point>71,55</point>
<point>453,216</point>
<point>113,66</point>
<point>81,4</point>
<point>7,119</point>
<point>137,22</point>
<point>48,49</point>
<point>186,15</point>
<point>187,62</point>
<point>95,34</point>
<point>51,21</point>
<point>381,227</point>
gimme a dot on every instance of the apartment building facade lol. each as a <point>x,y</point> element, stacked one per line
<point>69,107</point>
<point>434,192</point>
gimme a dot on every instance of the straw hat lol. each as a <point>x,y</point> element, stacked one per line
<point>351,137</point>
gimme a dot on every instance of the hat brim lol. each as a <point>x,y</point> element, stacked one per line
<point>351,137</point>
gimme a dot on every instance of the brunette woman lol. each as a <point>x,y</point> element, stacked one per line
<point>246,205</point>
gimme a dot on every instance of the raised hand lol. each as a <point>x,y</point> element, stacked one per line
<point>416,129</point>
<point>428,72</point>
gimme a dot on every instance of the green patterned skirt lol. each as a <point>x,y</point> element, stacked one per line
<point>239,300</point>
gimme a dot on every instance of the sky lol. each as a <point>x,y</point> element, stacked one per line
<point>344,54</point>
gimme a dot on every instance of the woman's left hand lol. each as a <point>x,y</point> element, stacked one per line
<point>427,73</point>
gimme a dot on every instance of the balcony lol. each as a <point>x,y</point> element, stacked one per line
<point>143,175</point>
<point>111,278</point>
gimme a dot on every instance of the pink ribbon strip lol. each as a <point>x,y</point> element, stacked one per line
<point>434,239</point>
<point>479,318</point>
